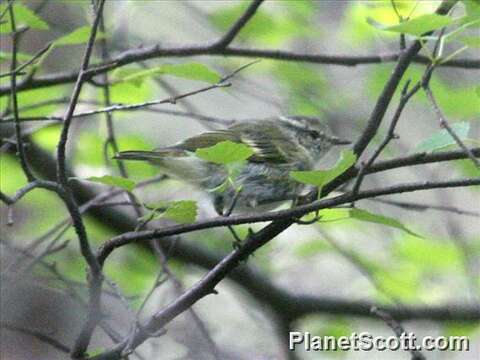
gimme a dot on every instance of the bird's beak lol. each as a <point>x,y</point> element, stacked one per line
<point>337,141</point>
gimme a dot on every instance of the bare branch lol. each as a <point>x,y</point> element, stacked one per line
<point>226,39</point>
<point>280,215</point>
<point>48,185</point>
<point>95,276</point>
<point>35,57</point>
<point>39,334</point>
<point>222,83</point>
<point>406,57</point>
<point>444,124</point>
<point>145,53</point>
<point>422,207</point>
<point>397,329</point>
<point>406,96</point>
<point>13,86</point>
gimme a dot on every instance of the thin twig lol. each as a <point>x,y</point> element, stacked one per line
<point>13,84</point>
<point>70,286</point>
<point>171,100</point>
<point>179,289</point>
<point>111,138</point>
<point>383,101</point>
<point>405,97</point>
<point>444,124</point>
<point>95,272</point>
<point>359,264</point>
<point>397,329</point>
<point>280,215</point>
<point>422,207</point>
<point>226,39</point>
<point>39,334</point>
<point>18,70</point>
<point>48,185</point>
<point>145,53</point>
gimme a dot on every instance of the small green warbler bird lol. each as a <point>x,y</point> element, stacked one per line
<point>280,145</point>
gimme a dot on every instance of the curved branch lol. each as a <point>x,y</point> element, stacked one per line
<point>37,334</point>
<point>280,215</point>
<point>252,280</point>
<point>385,97</point>
<point>155,51</point>
<point>226,39</point>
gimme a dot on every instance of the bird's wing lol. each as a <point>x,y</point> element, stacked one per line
<point>206,139</point>
<point>268,142</point>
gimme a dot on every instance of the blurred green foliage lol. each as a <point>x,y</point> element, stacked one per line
<point>403,273</point>
<point>272,29</point>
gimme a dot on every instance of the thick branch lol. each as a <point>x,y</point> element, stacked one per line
<point>95,273</point>
<point>281,215</point>
<point>253,281</point>
<point>153,52</point>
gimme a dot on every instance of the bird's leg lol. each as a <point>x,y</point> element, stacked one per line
<point>234,202</point>
<point>238,241</point>
<point>219,206</point>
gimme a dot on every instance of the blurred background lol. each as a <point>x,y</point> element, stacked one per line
<point>346,259</point>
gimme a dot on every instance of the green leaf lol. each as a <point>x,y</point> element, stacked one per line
<point>334,214</point>
<point>329,215</point>
<point>129,93</point>
<point>23,17</point>
<point>321,177</point>
<point>442,138</point>
<point>191,71</point>
<point>402,282</point>
<point>460,329</point>
<point>472,8</point>
<point>225,152</point>
<point>183,211</point>
<point>471,41</point>
<point>433,255</point>
<point>120,182</point>
<point>364,215</point>
<point>267,27</point>
<point>311,248</point>
<point>4,56</point>
<point>416,26</point>
<point>77,36</point>
<point>468,168</point>
<point>48,137</point>
<point>457,100</point>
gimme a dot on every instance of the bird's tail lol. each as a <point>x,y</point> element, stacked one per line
<point>152,156</point>
<point>175,161</point>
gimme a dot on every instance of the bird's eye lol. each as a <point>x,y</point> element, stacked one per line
<point>314,134</point>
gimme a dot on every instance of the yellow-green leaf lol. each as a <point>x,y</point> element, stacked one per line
<point>442,138</point>
<point>416,26</point>
<point>471,41</point>
<point>329,215</point>
<point>183,211</point>
<point>225,152</point>
<point>364,215</point>
<point>320,178</point>
<point>8,55</point>
<point>23,17</point>
<point>77,36</point>
<point>191,71</point>
<point>120,182</point>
